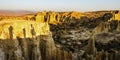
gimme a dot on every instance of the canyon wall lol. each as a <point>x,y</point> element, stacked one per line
<point>60,36</point>
<point>28,40</point>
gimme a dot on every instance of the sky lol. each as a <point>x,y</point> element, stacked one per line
<point>60,5</point>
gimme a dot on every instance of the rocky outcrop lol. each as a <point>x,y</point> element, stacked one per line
<point>41,17</point>
<point>29,47</point>
<point>91,49</point>
<point>75,35</point>
<point>25,45</point>
<point>117,16</point>
<point>47,47</point>
<point>18,26</point>
<point>69,37</point>
<point>118,26</point>
<point>102,28</point>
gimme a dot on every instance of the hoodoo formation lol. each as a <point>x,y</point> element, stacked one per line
<point>61,36</point>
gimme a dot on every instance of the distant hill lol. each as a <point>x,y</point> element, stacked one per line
<point>14,13</point>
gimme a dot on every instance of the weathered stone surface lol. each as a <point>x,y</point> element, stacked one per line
<point>18,26</point>
<point>2,54</point>
<point>103,27</point>
<point>70,38</point>
<point>104,37</point>
<point>47,47</point>
<point>40,17</point>
<point>91,49</point>
<point>28,49</point>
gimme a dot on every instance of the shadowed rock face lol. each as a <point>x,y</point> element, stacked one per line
<point>38,48</point>
<point>28,48</point>
<point>75,35</point>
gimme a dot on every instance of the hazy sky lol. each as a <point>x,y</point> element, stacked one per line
<point>60,5</point>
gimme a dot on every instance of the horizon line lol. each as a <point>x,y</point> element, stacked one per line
<point>58,11</point>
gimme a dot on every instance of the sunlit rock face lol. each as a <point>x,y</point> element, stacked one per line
<point>117,16</point>
<point>52,17</point>
<point>30,17</point>
<point>102,28</point>
<point>40,17</point>
<point>77,15</point>
<point>18,26</point>
<point>26,40</point>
